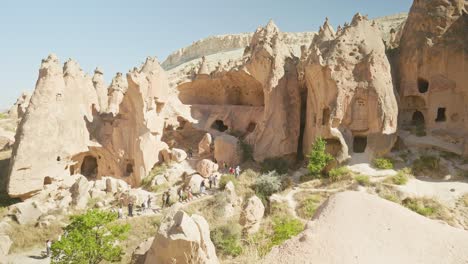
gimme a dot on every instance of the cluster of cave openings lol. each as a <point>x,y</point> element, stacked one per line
<point>441,115</point>
<point>359,144</point>
<point>219,125</point>
<point>325,116</point>
<point>89,167</point>
<point>423,85</point>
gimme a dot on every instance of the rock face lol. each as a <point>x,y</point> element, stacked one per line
<point>350,98</point>
<point>5,244</point>
<point>18,110</point>
<point>206,167</point>
<point>432,71</point>
<point>252,215</point>
<point>182,239</point>
<point>123,139</point>
<point>227,149</point>
<point>379,226</point>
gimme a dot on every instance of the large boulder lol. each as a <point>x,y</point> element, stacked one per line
<point>139,255</point>
<point>5,244</point>
<point>178,155</point>
<point>80,192</point>
<point>378,228</point>
<point>27,212</point>
<point>252,215</point>
<point>206,167</point>
<point>204,146</point>
<point>226,149</point>
<point>183,239</point>
<point>195,182</point>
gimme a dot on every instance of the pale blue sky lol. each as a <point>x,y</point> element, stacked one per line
<point>118,35</point>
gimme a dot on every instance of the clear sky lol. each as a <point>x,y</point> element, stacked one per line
<point>118,35</point>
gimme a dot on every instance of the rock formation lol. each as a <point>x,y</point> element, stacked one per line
<point>206,167</point>
<point>350,98</point>
<point>122,140</point>
<point>227,149</point>
<point>204,146</point>
<point>375,236</point>
<point>252,215</point>
<point>432,69</point>
<point>18,110</point>
<point>182,239</point>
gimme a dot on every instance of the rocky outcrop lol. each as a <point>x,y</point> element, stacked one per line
<point>350,98</point>
<point>206,167</point>
<point>204,146</point>
<point>182,239</point>
<point>432,70</point>
<point>18,110</point>
<point>88,132</point>
<point>252,215</point>
<point>5,244</point>
<point>378,226</point>
<point>227,149</point>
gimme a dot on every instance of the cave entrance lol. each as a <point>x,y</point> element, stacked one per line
<point>251,127</point>
<point>417,119</point>
<point>423,85</point>
<point>359,144</point>
<point>219,125</point>
<point>441,115</point>
<point>325,116</point>
<point>89,167</point>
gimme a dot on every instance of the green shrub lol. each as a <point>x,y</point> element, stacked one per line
<point>284,229</point>
<point>382,163</point>
<point>392,198</point>
<point>246,150</point>
<point>426,164</point>
<point>277,164</point>
<point>399,179</point>
<point>318,157</point>
<point>339,174</point>
<point>157,170</point>
<point>91,238</point>
<point>420,206</point>
<point>267,184</point>
<point>227,178</point>
<point>362,180</point>
<point>226,239</point>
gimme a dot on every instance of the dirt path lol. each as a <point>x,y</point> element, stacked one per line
<point>33,256</point>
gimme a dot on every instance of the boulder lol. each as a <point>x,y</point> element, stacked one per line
<point>204,146</point>
<point>178,155</point>
<point>226,149</point>
<point>379,228</point>
<point>79,192</point>
<point>111,185</point>
<point>206,167</point>
<point>26,212</point>
<point>5,244</point>
<point>139,254</point>
<point>100,184</point>
<point>252,215</point>
<point>195,182</point>
<point>166,155</point>
<point>159,180</point>
<point>97,194</point>
<point>182,239</point>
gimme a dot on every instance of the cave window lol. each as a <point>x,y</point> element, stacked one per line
<point>58,158</point>
<point>417,119</point>
<point>359,144</point>
<point>129,169</point>
<point>47,180</point>
<point>423,85</point>
<point>159,107</point>
<point>72,169</point>
<point>219,125</point>
<point>89,167</point>
<point>314,119</point>
<point>251,127</point>
<point>441,115</point>
<point>325,116</point>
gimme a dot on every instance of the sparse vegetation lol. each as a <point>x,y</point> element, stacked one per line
<point>308,204</point>
<point>29,236</point>
<point>423,207</point>
<point>158,169</point>
<point>340,174</point>
<point>401,178</point>
<point>426,164</point>
<point>284,229</point>
<point>391,197</point>
<point>277,164</point>
<point>91,238</point>
<point>227,239</point>
<point>383,163</point>
<point>318,158</point>
<point>227,178</point>
<point>363,180</point>
<point>3,116</point>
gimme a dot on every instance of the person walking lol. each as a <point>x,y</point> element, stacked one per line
<point>164,200</point>
<point>48,247</point>
<point>210,181</point>
<point>149,201</point>
<point>237,171</point>
<point>168,198</point>
<point>120,212</point>
<point>202,187</point>
<point>130,209</point>
<point>215,180</point>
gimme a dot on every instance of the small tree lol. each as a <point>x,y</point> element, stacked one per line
<point>267,184</point>
<point>318,157</point>
<point>90,238</point>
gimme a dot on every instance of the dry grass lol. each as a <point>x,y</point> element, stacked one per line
<point>307,203</point>
<point>26,237</point>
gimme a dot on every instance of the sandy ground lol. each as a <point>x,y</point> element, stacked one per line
<point>33,256</point>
